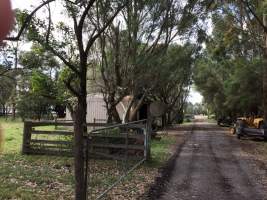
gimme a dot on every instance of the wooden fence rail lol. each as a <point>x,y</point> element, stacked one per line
<point>103,143</point>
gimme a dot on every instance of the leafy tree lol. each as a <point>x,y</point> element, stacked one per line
<point>173,77</point>
<point>72,44</point>
<point>229,65</point>
<point>249,22</point>
<point>7,87</point>
<point>242,95</point>
<point>39,100</point>
<point>130,52</point>
<point>39,84</point>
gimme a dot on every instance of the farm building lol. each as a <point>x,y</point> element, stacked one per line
<point>97,112</point>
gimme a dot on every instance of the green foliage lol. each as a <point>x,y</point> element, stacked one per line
<point>231,88</point>
<point>6,89</point>
<point>229,73</point>
<point>41,87</point>
<point>38,58</point>
<point>43,94</point>
<point>34,106</point>
<point>160,150</point>
<point>244,86</point>
<point>195,109</point>
<point>7,85</point>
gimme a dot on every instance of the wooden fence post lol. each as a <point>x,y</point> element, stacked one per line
<point>148,138</point>
<point>26,137</point>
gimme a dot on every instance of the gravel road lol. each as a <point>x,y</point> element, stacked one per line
<point>208,166</point>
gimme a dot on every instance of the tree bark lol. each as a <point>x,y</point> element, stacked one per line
<point>15,87</point>
<point>14,111</point>
<point>265,75</point>
<point>169,120</point>
<point>79,129</point>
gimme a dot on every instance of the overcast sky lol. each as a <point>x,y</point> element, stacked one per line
<point>22,4</point>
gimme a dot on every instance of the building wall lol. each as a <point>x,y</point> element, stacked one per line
<point>96,109</point>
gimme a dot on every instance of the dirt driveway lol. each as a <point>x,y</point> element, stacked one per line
<point>210,165</point>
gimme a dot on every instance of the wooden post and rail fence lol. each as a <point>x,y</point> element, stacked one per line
<point>105,140</point>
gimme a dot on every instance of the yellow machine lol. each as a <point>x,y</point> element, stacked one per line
<point>252,122</point>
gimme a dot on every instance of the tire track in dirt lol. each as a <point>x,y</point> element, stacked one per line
<point>166,172</point>
<point>205,167</point>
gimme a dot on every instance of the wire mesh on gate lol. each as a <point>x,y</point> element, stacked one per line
<point>112,154</point>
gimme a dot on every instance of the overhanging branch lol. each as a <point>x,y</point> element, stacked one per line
<point>246,3</point>
<point>27,21</point>
<point>92,40</point>
<point>70,87</point>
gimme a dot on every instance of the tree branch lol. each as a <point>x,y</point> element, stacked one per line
<point>27,21</point>
<point>51,49</point>
<point>82,19</point>
<point>70,87</point>
<point>92,40</point>
<point>49,24</point>
<point>246,3</point>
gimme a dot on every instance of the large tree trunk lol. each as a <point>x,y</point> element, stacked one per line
<point>169,121</point>
<point>113,115</point>
<point>265,75</point>
<point>14,111</point>
<point>15,87</point>
<point>79,129</point>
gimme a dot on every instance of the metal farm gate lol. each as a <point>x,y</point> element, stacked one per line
<point>125,147</point>
<point>111,151</point>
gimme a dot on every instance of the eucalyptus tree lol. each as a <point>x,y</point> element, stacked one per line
<point>71,41</point>
<point>38,90</point>
<point>251,18</point>
<point>9,72</point>
<point>232,60</point>
<point>256,12</point>
<point>150,28</point>
<point>6,87</point>
<point>131,46</point>
<point>175,78</point>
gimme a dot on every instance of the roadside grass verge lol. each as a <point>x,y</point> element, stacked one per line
<point>28,177</point>
<point>161,150</point>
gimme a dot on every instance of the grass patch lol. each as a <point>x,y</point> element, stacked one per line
<point>12,134</point>
<point>160,150</point>
<point>31,177</point>
<point>51,177</point>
